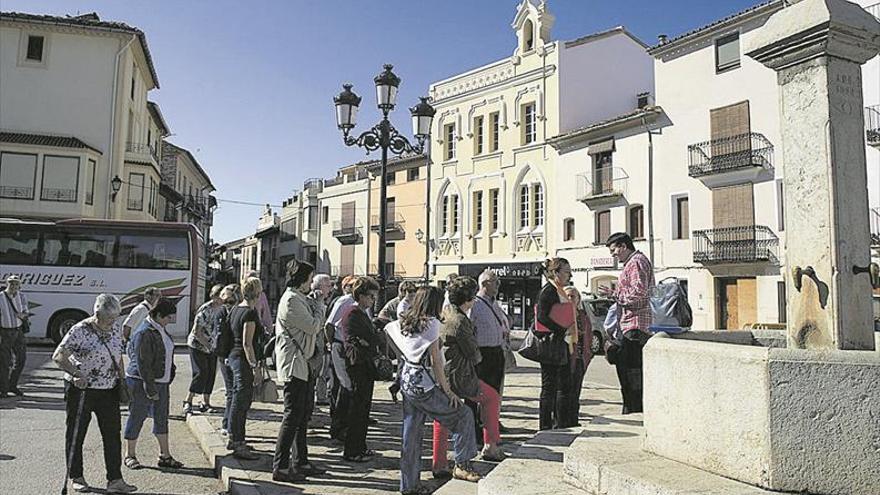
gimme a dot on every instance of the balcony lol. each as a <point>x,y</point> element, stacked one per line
<point>872,123</point>
<point>343,270</point>
<point>392,270</point>
<point>348,232</point>
<point>135,204</point>
<point>55,194</point>
<point>313,186</point>
<point>601,187</point>
<point>392,224</point>
<point>141,151</point>
<point>12,192</point>
<point>731,160</point>
<point>732,245</point>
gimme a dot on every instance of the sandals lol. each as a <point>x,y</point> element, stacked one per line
<point>169,462</point>
<point>132,463</point>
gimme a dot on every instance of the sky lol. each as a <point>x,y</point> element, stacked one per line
<point>247,86</point>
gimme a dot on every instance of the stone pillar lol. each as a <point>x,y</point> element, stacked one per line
<point>817,47</point>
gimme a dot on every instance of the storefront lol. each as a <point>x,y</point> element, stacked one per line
<point>518,291</point>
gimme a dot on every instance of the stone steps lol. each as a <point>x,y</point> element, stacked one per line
<point>535,469</point>
<point>607,459</point>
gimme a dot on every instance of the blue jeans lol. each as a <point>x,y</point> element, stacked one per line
<point>433,404</point>
<point>242,395</point>
<point>226,371</point>
<point>142,407</point>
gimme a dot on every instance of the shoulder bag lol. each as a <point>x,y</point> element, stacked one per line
<point>120,387</point>
<point>509,356</point>
<point>25,322</point>
<point>265,389</point>
<point>544,348</point>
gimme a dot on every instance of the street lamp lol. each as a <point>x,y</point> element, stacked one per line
<point>383,136</point>
<point>115,185</point>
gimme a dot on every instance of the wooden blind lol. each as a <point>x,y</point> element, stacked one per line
<point>603,226</point>
<point>727,122</point>
<point>348,212</point>
<point>684,221</point>
<point>389,209</point>
<point>346,260</point>
<point>733,206</point>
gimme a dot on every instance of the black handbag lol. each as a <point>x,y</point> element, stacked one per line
<point>544,349</point>
<point>121,387</point>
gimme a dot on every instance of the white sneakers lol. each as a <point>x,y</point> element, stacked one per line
<point>120,486</point>
<point>79,485</point>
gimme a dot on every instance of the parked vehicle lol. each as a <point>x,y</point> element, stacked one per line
<point>597,309</point>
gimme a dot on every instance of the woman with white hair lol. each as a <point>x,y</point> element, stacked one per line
<point>91,357</point>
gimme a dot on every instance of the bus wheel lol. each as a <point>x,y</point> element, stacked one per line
<point>62,321</point>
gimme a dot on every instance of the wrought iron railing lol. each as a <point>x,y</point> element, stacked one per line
<point>602,182</point>
<point>346,229</point>
<point>872,124</point>
<point>392,269</point>
<point>142,148</point>
<point>313,185</point>
<point>730,153</point>
<point>392,222</point>
<point>55,194</point>
<point>874,218</point>
<point>14,192</point>
<point>747,244</point>
<point>344,270</point>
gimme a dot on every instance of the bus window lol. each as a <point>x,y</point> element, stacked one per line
<point>19,247</point>
<point>69,249</point>
<point>145,251</point>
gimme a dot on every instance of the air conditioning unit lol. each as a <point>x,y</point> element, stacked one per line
<point>644,100</point>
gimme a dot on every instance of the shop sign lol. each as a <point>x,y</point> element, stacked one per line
<point>603,262</point>
<point>506,270</point>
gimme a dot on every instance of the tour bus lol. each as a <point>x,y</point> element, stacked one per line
<point>63,265</point>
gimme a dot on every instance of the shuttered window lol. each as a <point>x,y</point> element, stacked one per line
<point>682,218</point>
<point>603,226</point>
<point>637,222</point>
<point>727,53</point>
<point>726,124</point>
<point>733,206</point>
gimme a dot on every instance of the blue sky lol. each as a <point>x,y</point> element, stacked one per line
<point>248,86</point>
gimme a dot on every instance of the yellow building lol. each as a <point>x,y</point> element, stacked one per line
<point>491,164</point>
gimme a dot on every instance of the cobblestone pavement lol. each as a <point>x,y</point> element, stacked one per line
<point>32,440</point>
<point>381,474</point>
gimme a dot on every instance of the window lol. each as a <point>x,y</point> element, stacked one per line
<point>568,229</point>
<point>135,191</point>
<point>90,182</point>
<point>494,135</point>
<point>389,259</point>
<point>780,206</point>
<point>523,207</point>
<point>313,217</point>
<point>478,212</point>
<point>603,173</point>
<point>78,249</point>
<point>528,36</point>
<point>681,227</point>
<point>288,229</point>
<point>538,204</point>
<point>18,174</point>
<point>19,247</point>
<point>133,70</point>
<point>149,251</point>
<point>60,178</point>
<point>151,197</point>
<point>444,216</point>
<point>478,135</point>
<point>603,226</point>
<point>390,178</point>
<point>781,302</point>
<point>636,222</point>
<point>449,136</point>
<point>529,125</point>
<point>413,174</point>
<point>454,200</point>
<point>325,215</point>
<point>493,208</point>
<point>35,48</point>
<point>727,53</point>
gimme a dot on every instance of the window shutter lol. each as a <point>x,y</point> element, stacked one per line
<point>726,123</point>
<point>348,215</point>
<point>733,206</point>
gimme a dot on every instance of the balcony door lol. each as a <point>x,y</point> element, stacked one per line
<point>733,219</point>
<point>727,123</point>
<point>348,215</point>
<point>737,302</point>
<point>346,260</point>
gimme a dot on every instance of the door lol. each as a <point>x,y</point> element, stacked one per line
<point>737,302</point>
<point>346,260</point>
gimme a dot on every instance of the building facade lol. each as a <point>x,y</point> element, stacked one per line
<point>185,190</point>
<point>344,206</point>
<point>493,170</point>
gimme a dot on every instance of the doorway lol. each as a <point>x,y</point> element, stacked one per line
<point>737,302</point>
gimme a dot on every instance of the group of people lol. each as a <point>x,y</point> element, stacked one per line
<point>451,348</point>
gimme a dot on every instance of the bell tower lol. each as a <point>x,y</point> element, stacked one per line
<point>532,26</point>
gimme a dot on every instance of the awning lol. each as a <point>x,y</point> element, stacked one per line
<point>605,146</point>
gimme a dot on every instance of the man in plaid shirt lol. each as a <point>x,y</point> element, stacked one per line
<point>632,295</point>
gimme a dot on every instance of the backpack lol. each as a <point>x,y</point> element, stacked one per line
<point>669,304</point>
<point>225,340</point>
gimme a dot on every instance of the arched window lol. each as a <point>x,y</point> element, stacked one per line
<point>568,229</point>
<point>538,204</point>
<point>444,216</point>
<point>524,206</point>
<point>528,36</point>
<point>455,216</point>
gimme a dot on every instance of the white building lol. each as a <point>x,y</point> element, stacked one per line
<point>711,210</point>
<point>493,190</point>
<point>342,236</point>
<point>73,93</point>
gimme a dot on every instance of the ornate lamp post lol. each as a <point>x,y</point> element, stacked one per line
<point>383,136</point>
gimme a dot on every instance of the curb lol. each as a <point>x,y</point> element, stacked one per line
<point>235,478</point>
